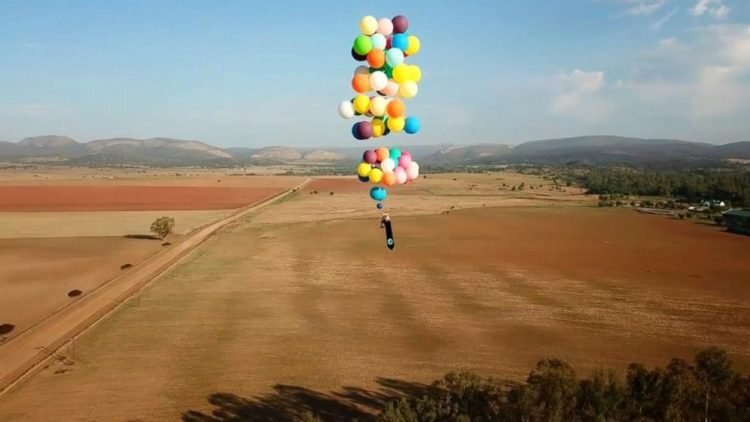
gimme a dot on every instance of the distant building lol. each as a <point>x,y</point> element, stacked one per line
<point>737,221</point>
<point>713,204</point>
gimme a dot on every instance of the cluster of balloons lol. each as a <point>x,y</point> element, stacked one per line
<point>385,81</point>
<point>386,167</point>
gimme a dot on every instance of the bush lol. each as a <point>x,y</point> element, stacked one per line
<point>163,226</point>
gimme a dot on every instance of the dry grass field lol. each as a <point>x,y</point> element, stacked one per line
<point>37,274</point>
<point>300,305</point>
<point>37,225</point>
<point>65,229</point>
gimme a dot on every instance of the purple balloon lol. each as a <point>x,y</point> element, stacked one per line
<point>365,130</point>
<point>370,157</point>
<point>400,24</point>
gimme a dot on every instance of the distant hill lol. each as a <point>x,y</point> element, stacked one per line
<point>601,150</point>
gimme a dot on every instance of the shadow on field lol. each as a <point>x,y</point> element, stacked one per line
<point>292,403</point>
<point>142,236</point>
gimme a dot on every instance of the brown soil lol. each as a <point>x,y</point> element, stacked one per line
<point>127,198</point>
<point>268,319</point>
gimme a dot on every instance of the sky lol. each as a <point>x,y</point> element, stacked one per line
<point>256,73</point>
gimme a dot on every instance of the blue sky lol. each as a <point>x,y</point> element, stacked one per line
<point>252,73</point>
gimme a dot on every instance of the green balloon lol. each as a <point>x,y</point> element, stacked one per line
<point>388,71</point>
<point>362,45</point>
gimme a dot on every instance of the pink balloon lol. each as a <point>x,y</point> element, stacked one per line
<point>385,26</point>
<point>400,174</point>
<point>391,89</point>
<point>404,161</point>
<point>370,157</point>
<point>413,171</point>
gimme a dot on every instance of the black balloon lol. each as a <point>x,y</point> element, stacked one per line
<point>358,57</point>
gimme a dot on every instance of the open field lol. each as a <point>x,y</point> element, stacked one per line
<point>37,274</point>
<point>46,250</point>
<point>127,198</point>
<point>98,223</point>
<point>301,305</point>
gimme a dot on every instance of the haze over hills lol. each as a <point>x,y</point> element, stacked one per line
<point>175,152</point>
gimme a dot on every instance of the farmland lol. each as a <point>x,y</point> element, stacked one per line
<point>77,230</point>
<point>300,303</point>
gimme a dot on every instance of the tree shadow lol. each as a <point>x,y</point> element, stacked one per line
<point>6,328</point>
<point>289,403</point>
<point>142,236</point>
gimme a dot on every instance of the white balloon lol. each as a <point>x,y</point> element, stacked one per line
<point>388,165</point>
<point>378,41</point>
<point>394,57</point>
<point>413,171</point>
<point>346,109</point>
<point>378,80</point>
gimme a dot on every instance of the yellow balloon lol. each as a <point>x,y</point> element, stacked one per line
<point>361,104</point>
<point>363,169</point>
<point>377,106</point>
<point>416,73</point>
<point>408,89</point>
<point>376,175</point>
<point>396,124</point>
<point>401,73</point>
<point>378,128</point>
<point>368,25</point>
<point>413,46</point>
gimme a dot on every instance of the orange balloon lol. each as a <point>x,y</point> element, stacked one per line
<point>395,108</point>
<point>389,179</point>
<point>361,83</point>
<point>376,58</point>
<point>382,153</point>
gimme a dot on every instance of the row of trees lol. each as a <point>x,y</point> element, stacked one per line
<point>706,390</point>
<point>732,186</point>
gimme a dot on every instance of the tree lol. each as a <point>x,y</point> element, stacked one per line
<point>680,393</point>
<point>554,387</point>
<point>162,226</point>
<point>714,372</point>
<point>601,398</point>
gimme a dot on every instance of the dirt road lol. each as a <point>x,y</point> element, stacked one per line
<point>19,356</point>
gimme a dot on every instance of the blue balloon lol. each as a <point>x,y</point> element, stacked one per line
<point>377,193</point>
<point>355,131</point>
<point>395,154</point>
<point>412,125</point>
<point>380,205</point>
<point>400,41</point>
<point>363,179</point>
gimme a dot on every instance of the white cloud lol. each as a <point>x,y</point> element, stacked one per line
<point>719,92</point>
<point>577,95</point>
<point>644,7</point>
<point>716,8</point>
<point>704,76</point>
<point>658,24</point>
<point>721,12</point>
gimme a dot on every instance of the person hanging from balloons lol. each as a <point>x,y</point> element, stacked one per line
<point>381,84</point>
<point>385,223</point>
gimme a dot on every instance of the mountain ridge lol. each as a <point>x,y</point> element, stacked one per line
<point>163,151</point>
